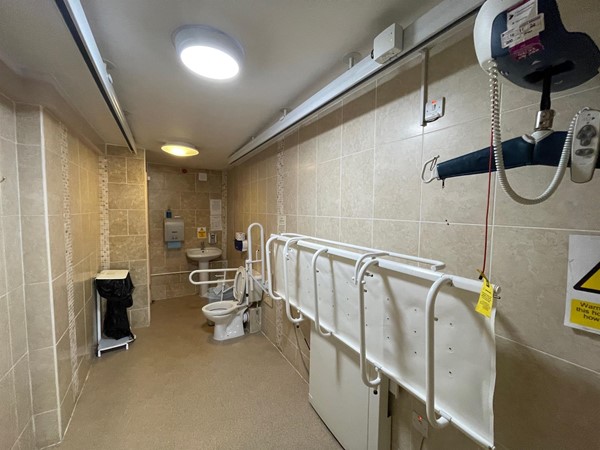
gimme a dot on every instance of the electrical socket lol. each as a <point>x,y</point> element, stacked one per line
<point>420,423</point>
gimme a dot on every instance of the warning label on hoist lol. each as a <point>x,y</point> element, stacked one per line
<point>582,309</point>
<point>523,27</point>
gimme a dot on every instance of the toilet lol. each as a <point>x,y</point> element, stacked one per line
<point>228,315</point>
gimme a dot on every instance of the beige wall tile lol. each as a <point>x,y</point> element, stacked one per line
<point>22,393</point>
<point>121,196</point>
<point>43,382</point>
<point>27,439</point>
<point>357,185</point>
<point>39,316</point>
<point>396,180</point>
<point>3,289</point>
<point>9,194</point>
<point>52,133</point>
<point>139,317</point>
<point>47,431</point>
<point>8,416</point>
<point>57,245</point>
<point>18,325</point>
<point>356,231</point>
<point>398,98</point>
<point>118,150</point>
<point>328,188</point>
<point>54,183</point>
<point>61,307</point>
<point>329,140</point>
<point>125,248</point>
<point>358,131</point>
<point>30,179</point>
<point>327,228</point>
<point>136,220</point>
<point>306,225</point>
<point>75,188</point>
<point>136,171</point>
<point>531,267</point>
<point>290,192</point>
<point>35,258</point>
<point>73,149</point>
<point>117,220</point>
<point>400,237</point>
<point>28,124</point>
<point>5,350</point>
<point>551,393</point>
<point>462,248</point>
<point>63,355</point>
<point>8,125</point>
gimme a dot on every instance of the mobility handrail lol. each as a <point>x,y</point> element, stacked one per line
<point>360,260</point>
<point>288,310</point>
<point>249,260</point>
<point>316,294</point>
<point>434,264</point>
<point>444,420</point>
<point>363,341</point>
<point>199,271</point>
<point>269,280</point>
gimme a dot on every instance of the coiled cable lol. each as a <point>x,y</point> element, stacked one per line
<point>497,144</point>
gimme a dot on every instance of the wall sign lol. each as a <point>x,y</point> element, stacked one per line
<point>582,309</point>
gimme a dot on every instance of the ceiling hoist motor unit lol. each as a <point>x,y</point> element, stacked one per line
<point>527,43</point>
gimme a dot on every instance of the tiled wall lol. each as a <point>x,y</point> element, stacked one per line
<point>352,173</point>
<point>16,425</point>
<point>50,188</point>
<point>128,225</point>
<point>189,198</point>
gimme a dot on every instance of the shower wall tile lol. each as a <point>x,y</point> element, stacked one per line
<point>358,131</point>
<point>8,416</point>
<point>396,180</point>
<point>531,312</point>
<point>356,231</point>
<point>39,315</point>
<point>396,236</point>
<point>47,430</point>
<point>13,253</point>
<point>28,124</point>
<point>328,228</point>
<point>43,379</point>
<point>9,194</point>
<point>398,113</point>
<point>22,393</point>
<point>548,391</point>
<point>462,250</point>
<point>357,185</point>
<point>8,125</point>
<point>35,258</point>
<point>18,325</point>
<point>328,188</point>
<point>329,140</point>
<point>5,347</point>
<point>30,179</point>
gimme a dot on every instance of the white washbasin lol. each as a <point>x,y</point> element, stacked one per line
<point>200,255</point>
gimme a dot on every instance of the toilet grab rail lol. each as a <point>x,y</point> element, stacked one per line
<point>269,281</point>
<point>316,293</point>
<point>249,260</point>
<point>433,263</point>
<point>445,419</point>
<point>362,324</point>
<point>199,271</point>
<point>288,310</point>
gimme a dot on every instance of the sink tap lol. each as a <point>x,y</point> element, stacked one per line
<point>202,243</point>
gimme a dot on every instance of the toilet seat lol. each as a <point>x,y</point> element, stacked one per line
<point>221,308</point>
<point>239,284</point>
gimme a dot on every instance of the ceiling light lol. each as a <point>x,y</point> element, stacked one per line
<point>179,149</point>
<point>208,52</point>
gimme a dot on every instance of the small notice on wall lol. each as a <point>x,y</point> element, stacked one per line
<point>215,223</point>
<point>215,207</point>
<point>582,309</point>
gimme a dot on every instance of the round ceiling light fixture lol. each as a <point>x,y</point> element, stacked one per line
<point>208,52</point>
<point>179,149</point>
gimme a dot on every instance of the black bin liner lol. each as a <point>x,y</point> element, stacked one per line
<point>118,298</point>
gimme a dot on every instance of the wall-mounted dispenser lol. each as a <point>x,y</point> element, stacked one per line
<point>241,244</point>
<point>174,232</point>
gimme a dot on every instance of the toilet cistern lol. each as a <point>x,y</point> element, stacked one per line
<point>203,256</point>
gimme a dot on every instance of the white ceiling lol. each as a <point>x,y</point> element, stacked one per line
<point>292,48</point>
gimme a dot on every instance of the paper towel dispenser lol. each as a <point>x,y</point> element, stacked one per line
<point>174,229</point>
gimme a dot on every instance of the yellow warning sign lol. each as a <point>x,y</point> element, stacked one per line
<point>486,298</point>
<point>201,233</point>
<point>586,314</point>
<point>590,282</point>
